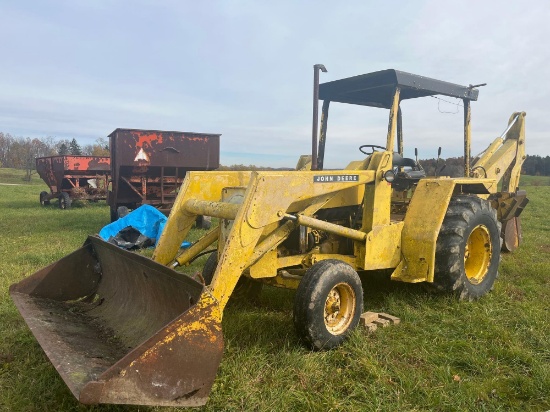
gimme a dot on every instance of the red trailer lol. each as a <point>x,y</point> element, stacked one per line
<point>73,177</point>
<point>148,166</point>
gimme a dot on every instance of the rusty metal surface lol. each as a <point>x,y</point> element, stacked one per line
<point>175,367</point>
<point>64,173</point>
<point>511,234</point>
<point>148,166</point>
<point>163,148</point>
<point>118,327</point>
<point>509,207</point>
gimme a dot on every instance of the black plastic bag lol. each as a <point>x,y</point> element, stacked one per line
<point>130,238</point>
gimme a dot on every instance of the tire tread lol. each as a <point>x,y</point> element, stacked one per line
<point>449,272</point>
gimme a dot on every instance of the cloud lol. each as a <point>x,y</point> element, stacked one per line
<point>244,69</point>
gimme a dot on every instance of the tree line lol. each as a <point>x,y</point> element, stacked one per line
<point>454,166</point>
<point>21,152</point>
<point>536,166</point>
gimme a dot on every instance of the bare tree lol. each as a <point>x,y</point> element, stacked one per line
<point>99,148</point>
<point>6,143</point>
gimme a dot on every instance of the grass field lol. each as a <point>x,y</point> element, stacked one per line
<point>488,355</point>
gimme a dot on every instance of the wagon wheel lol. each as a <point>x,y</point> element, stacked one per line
<point>122,211</point>
<point>64,201</point>
<point>44,198</point>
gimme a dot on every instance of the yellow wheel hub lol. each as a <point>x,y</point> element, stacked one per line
<point>477,254</point>
<point>339,308</point>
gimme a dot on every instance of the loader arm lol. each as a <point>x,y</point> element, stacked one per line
<point>270,198</point>
<point>206,186</point>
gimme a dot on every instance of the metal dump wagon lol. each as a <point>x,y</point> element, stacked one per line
<point>73,177</point>
<point>148,166</point>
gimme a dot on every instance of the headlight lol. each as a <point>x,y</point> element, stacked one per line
<point>389,176</point>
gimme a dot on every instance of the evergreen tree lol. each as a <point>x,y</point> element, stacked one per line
<point>63,149</point>
<point>74,148</point>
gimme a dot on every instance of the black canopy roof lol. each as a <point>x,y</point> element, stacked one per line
<point>377,88</point>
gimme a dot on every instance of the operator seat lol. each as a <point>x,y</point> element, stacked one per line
<point>398,161</point>
<point>406,179</point>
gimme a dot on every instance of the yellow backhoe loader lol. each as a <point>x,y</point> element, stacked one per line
<point>122,328</point>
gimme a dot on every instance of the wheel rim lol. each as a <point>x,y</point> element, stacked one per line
<point>477,254</point>
<point>339,308</point>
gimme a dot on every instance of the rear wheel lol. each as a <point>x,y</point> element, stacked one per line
<point>44,198</point>
<point>64,200</point>
<point>328,304</point>
<point>468,248</point>
<point>246,288</point>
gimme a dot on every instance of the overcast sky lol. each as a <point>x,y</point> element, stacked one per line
<point>244,69</point>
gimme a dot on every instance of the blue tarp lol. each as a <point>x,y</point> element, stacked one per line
<point>145,219</point>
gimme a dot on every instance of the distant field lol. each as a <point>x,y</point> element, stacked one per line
<point>489,355</point>
<point>535,180</point>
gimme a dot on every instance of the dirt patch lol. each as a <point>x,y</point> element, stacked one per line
<point>515,293</point>
<point>545,248</point>
<point>6,358</point>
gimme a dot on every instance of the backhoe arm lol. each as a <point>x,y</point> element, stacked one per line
<point>503,159</point>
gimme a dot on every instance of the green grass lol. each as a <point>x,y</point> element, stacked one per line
<point>489,355</point>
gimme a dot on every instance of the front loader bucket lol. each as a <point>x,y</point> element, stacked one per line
<point>121,328</point>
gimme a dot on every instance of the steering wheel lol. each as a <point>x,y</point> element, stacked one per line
<point>372,146</point>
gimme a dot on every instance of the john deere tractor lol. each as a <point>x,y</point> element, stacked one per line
<point>122,328</point>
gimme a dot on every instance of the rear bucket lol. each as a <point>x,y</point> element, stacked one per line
<point>120,328</point>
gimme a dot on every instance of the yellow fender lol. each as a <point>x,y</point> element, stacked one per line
<point>423,223</point>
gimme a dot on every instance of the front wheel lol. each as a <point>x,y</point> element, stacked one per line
<point>328,304</point>
<point>468,248</point>
<point>44,198</point>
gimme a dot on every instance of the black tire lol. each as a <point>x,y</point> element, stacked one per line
<point>328,304</point>
<point>64,201</point>
<point>203,222</point>
<point>44,198</point>
<point>468,248</point>
<point>209,268</point>
<point>246,288</point>
<point>122,211</point>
